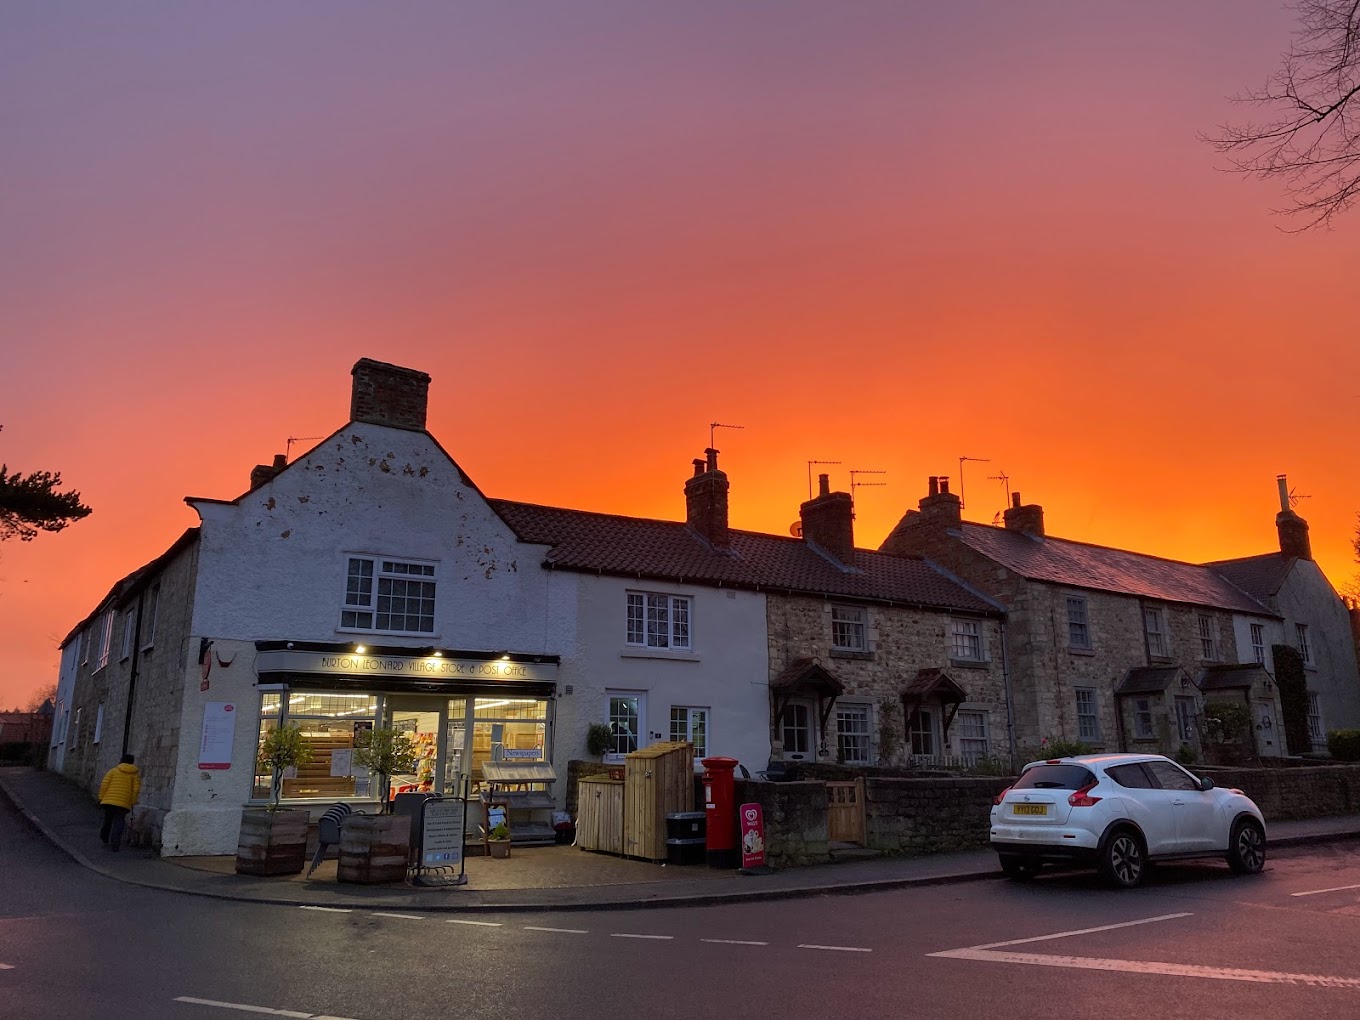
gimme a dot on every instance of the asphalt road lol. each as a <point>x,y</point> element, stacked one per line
<point>1195,942</point>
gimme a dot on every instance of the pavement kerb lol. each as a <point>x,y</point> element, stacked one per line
<point>564,905</point>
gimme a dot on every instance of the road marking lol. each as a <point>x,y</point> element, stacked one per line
<point>624,935</point>
<point>404,917</point>
<point>1149,967</point>
<point>560,931</point>
<point>330,910</point>
<point>1319,892</point>
<point>480,924</point>
<point>838,949</point>
<point>1080,931</point>
<point>242,1007</point>
<point>734,942</point>
<point>6,966</point>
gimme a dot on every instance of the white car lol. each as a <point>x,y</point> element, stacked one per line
<point>1121,812</point>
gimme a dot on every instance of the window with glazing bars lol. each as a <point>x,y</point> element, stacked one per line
<point>848,628</point>
<point>1258,642</point>
<point>852,734</point>
<point>1155,628</point>
<point>1078,627</point>
<point>402,600</point>
<point>1301,629</point>
<point>690,724</point>
<point>1088,715</point>
<point>658,621</point>
<point>967,640</point>
<point>1208,645</point>
<point>972,730</point>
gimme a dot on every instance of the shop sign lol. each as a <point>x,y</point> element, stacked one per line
<point>522,754</point>
<point>752,836</point>
<point>441,834</point>
<point>423,667</point>
<point>219,729</point>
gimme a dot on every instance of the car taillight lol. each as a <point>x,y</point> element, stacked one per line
<point>1082,798</point>
<point>1003,793</point>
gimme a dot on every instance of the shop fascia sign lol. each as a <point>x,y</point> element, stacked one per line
<point>427,667</point>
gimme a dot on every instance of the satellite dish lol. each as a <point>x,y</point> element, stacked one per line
<point>796,529</point>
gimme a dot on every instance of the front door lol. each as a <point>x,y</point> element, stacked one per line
<point>922,732</point>
<point>798,731</point>
<point>423,721</point>
<point>1268,737</point>
<point>627,723</point>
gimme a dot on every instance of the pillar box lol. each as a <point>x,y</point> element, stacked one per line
<point>720,805</point>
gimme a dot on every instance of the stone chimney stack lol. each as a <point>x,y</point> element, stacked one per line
<point>828,522</point>
<point>389,395</point>
<point>940,509</point>
<point>1292,529</point>
<point>1026,518</point>
<point>706,502</point>
<point>262,473</point>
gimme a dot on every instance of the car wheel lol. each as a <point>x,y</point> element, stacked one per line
<point>1122,861</point>
<point>1247,849</point>
<point>1015,867</point>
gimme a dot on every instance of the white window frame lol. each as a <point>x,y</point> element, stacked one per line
<point>1305,649</point>
<point>129,635</point>
<point>105,640</point>
<point>619,739</point>
<point>383,568</point>
<point>921,730</point>
<point>1258,642</point>
<point>1078,623</point>
<point>98,724</point>
<point>149,617</point>
<point>966,644</point>
<point>1316,733</point>
<point>86,640</point>
<point>1091,715</point>
<point>788,723</point>
<point>1208,643</point>
<point>845,732</point>
<point>973,727</point>
<point>659,621</point>
<point>682,723</point>
<point>1158,640</point>
<point>1143,725</point>
<point>849,628</point>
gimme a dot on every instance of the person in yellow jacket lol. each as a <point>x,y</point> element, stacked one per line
<point>117,793</point>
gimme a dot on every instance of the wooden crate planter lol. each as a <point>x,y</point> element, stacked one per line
<point>272,842</point>
<point>658,780</point>
<point>374,848</point>
<point>599,814</point>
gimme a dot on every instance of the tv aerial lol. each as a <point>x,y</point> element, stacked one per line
<point>980,460</point>
<point>809,464</point>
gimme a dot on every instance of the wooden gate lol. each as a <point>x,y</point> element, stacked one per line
<point>845,811</point>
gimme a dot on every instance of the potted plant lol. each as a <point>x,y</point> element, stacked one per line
<point>499,840</point>
<point>599,742</point>
<point>386,753</point>
<point>273,840</point>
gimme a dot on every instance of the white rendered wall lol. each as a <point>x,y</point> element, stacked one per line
<point>1308,598</point>
<point>66,682</point>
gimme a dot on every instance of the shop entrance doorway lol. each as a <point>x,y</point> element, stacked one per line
<point>423,720</point>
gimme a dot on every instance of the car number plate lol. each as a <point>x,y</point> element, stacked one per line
<point>1029,809</point>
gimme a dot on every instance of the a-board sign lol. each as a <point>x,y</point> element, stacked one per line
<point>441,835</point>
<point>752,836</point>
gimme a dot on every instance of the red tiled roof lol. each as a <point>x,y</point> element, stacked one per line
<point>1061,561</point>
<point>1258,576</point>
<point>668,550</point>
<point>808,673</point>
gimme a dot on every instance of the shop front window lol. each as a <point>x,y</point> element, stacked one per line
<point>329,723</point>
<point>502,729</point>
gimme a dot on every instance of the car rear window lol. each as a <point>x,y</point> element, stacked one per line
<point>1055,777</point>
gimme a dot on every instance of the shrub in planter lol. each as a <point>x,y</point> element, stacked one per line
<point>499,839</point>
<point>273,841</point>
<point>599,739</point>
<point>386,753</point>
<point>1344,744</point>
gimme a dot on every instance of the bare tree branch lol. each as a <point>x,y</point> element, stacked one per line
<point>1310,141</point>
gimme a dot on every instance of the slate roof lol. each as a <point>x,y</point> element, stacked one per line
<point>1062,561</point>
<point>127,586</point>
<point>1231,676</point>
<point>1258,576</point>
<point>638,547</point>
<point>1148,679</point>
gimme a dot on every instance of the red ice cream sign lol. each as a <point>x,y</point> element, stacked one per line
<point>752,836</point>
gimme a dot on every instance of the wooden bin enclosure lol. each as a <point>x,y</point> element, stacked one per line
<point>272,842</point>
<point>657,780</point>
<point>374,848</point>
<point>599,814</point>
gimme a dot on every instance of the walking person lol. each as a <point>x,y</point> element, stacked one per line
<point>117,793</point>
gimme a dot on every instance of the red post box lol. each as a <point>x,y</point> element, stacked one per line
<point>720,803</point>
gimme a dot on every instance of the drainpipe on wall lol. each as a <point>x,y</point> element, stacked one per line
<point>1010,702</point>
<point>132,673</point>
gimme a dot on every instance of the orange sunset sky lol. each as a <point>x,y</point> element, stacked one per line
<point>887,234</point>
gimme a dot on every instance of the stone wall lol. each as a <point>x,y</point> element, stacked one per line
<point>1285,794</point>
<point>929,816</point>
<point>795,821</point>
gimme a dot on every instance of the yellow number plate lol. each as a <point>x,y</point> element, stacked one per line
<point>1029,809</point>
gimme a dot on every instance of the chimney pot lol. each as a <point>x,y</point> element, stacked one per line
<point>1015,500</point>
<point>712,456</point>
<point>944,483</point>
<point>934,485</point>
<point>1283,484</point>
<point>698,466</point>
<point>823,485</point>
<point>280,461</point>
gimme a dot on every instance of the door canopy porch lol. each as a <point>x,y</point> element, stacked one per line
<point>932,685</point>
<point>805,678</point>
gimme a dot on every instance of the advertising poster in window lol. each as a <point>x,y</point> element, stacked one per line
<point>219,730</point>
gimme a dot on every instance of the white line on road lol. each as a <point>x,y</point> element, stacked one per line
<point>838,949</point>
<point>1149,967</point>
<point>242,1007</point>
<point>330,910</point>
<point>734,942</point>
<point>6,966</point>
<point>625,935</point>
<point>404,917</point>
<point>1319,892</point>
<point>560,931</point>
<point>480,924</point>
<point>1079,931</point>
